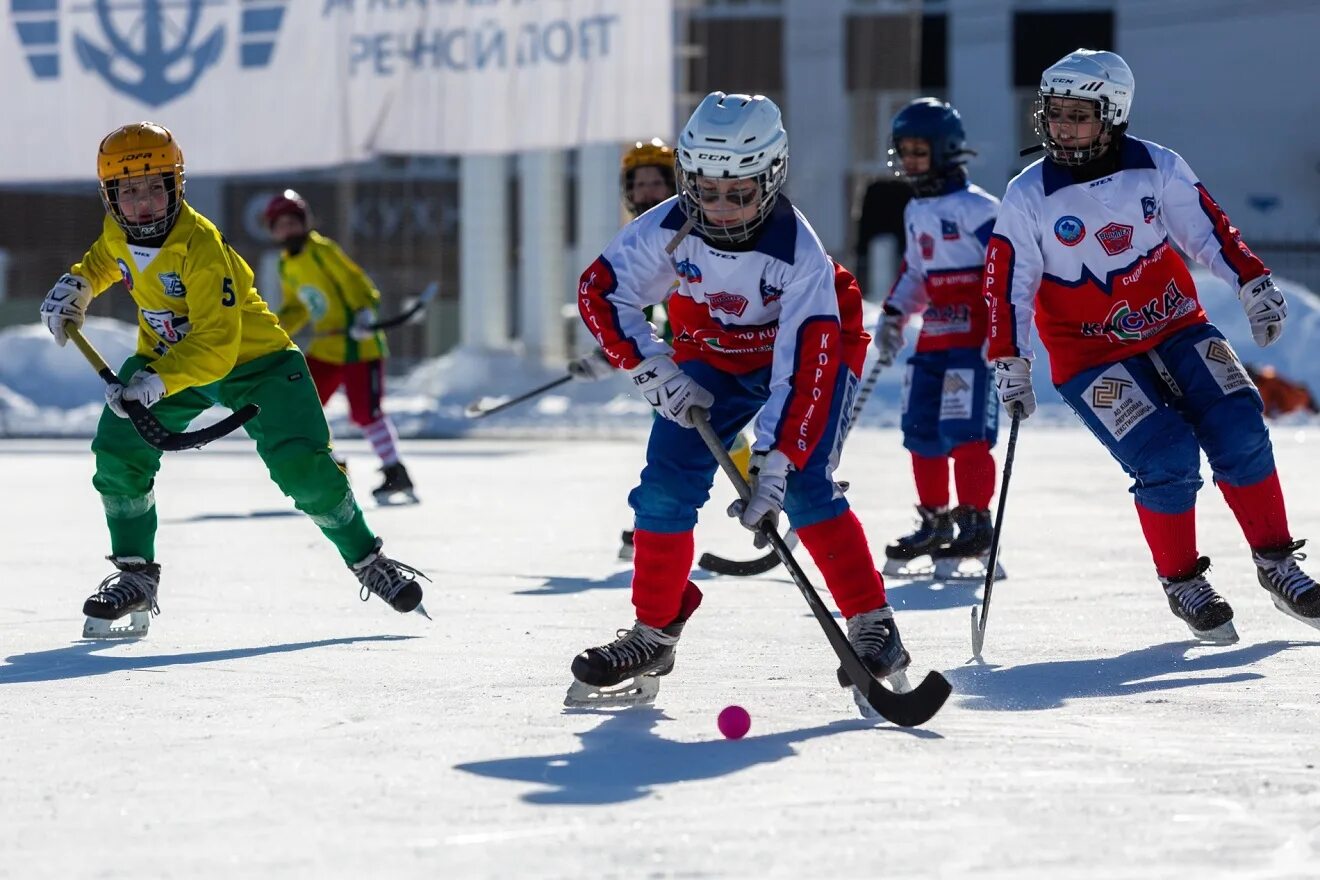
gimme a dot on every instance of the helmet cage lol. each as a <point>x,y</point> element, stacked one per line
<point>158,226</point>
<point>1074,155</point>
<point>768,182</point>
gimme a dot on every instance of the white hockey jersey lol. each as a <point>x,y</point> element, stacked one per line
<point>943,259</point>
<point>1094,264</point>
<point>784,304</point>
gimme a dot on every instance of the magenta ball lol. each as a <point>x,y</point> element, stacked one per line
<point>734,722</point>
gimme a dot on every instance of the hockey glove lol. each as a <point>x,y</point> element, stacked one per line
<point>67,301</point>
<point>672,392</point>
<point>145,387</point>
<point>1013,383</point>
<point>1266,309</point>
<point>769,480</point>
<point>889,336</point>
<point>591,368</point>
<point>361,328</point>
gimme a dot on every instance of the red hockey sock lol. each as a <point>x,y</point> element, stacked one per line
<point>1172,540</point>
<point>974,474</point>
<point>932,477</point>
<point>661,565</point>
<point>840,551</point>
<point>1260,512</point>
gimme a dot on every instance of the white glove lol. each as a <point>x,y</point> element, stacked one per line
<point>1013,383</point>
<point>361,327</point>
<point>671,391</point>
<point>1266,309</point>
<point>591,368</point>
<point>889,337</point>
<point>67,301</point>
<point>769,480</point>
<point>145,387</point>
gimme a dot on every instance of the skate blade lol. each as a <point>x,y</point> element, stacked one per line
<point>639,691</point>
<point>136,627</point>
<point>908,568</point>
<point>625,553</point>
<point>396,499</point>
<point>968,568</point>
<point>1283,606</point>
<point>421,609</point>
<point>1224,634</point>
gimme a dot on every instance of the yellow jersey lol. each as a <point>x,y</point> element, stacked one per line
<point>324,287</point>
<point>199,315</point>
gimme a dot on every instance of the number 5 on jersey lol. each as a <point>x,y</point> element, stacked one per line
<point>229,298</point>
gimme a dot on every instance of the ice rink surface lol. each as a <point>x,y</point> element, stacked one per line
<point>272,725</point>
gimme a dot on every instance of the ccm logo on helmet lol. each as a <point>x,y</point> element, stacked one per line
<point>712,157</point>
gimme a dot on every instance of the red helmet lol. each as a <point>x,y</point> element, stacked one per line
<point>287,202</point>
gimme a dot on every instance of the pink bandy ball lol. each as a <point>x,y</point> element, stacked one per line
<point>734,722</point>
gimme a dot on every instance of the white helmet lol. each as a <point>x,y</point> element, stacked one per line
<point>732,136</point>
<point>1101,77</point>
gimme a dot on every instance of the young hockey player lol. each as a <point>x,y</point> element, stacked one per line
<point>949,409</point>
<point>760,330</point>
<point>326,288</point>
<point>1084,243</point>
<point>204,336</point>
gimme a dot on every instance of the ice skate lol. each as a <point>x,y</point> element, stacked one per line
<point>1195,603</point>
<point>874,636</point>
<point>397,487</point>
<point>626,545</point>
<point>390,579</point>
<point>909,555</point>
<point>625,672</point>
<point>966,556</point>
<point>1294,592</point>
<point>129,592</point>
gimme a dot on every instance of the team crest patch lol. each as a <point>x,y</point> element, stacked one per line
<point>173,284</point>
<point>949,230</point>
<point>1149,208</point>
<point>688,271</point>
<point>125,274</point>
<point>1115,238</point>
<point>770,293</point>
<point>730,303</point>
<point>927,242</point>
<point>1069,230</point>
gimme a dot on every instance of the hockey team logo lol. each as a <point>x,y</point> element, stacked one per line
<point>948,230</point>
<point>173,284</point>
<point>1149,209</point>
<point>1069,230</point>
<point>1108,392</point>
<point>729,303</point>
<point>1115,238</point>
<point>770,293</point>
<point>124,273</point>
<point>688,271</point>
<point>927,243</point>
<point>153,51</point>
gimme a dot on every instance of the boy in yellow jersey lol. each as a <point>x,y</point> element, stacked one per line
<point>646,177</point>
<point>323,286</point>
<point>205,336</point>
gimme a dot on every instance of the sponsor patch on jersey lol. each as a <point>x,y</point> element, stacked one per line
<point>729,303</point>
<point>907,389</point>
<point>1069,230</point>
<point>1126,323</point>
<point>1115,238</point>
<point>173,284</point>
<point>956,395</point>
<point>317,303</point>
<point>1117,401</point>
<point>1223,364</point>
<point>124,273</point>
<point>166,324</point>
<point>770,293</point>
<point>927,243</point>
<point>949,230</point>
<point>688,271</point>
<point>1150,209</point>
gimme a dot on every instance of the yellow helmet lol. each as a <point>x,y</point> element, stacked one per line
<point>654,153</point>
<point>139,150</point>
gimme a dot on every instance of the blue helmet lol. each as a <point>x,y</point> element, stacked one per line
<point>939,125</point>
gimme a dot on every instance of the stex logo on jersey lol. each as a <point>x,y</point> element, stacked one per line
<point>173,284</point>
<point>927,243</point>
<point>1115,238</point>
<point>1149,208</point>
<point>687,270</point>
<point>1069,230</point>
<point>153,51</point>
<point>949,230</point>
<point>1126,324</point>
<point>729,303</point>
<point>124,273</point>
<point>770,293</point>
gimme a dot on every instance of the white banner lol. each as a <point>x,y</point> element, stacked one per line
<point>265,85</point>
